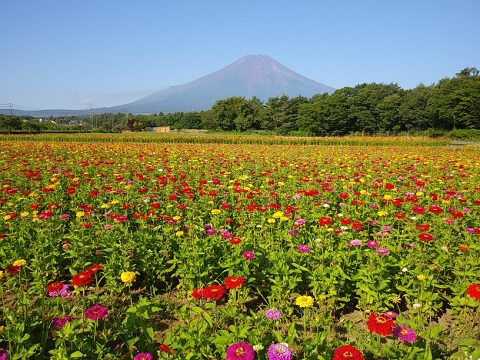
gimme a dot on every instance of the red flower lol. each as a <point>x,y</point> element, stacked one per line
<point>473,290</point>
<point>214,292</point>
<point>12,269</point>
<point>418,209</point>
<point>232,282</point>
<point>235,241</point>
<point>197,293</point>
<point>463,247</point>
<point>165,349</point>
<point>55,286</point>
<point>83,278</point>
<point>95,268</point>
<point>425,237</point>
<point>324,221</point>
<point>380,324</point>
<point>423,227</point>
<point>347,352</point>
<point>435,209</point>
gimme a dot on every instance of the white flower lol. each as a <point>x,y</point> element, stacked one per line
<point>404,269</point>
<point>326,205</point>
<point>413,218</point>
<point>417,306</point>
<point>257,347</point>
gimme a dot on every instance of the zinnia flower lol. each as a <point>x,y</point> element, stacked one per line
<point>303,248</point>
<point>473,290</point>
<point>128,277</point>
<point>12,269</point>
<point>143,356</point>
<point>95,268</point>
<point>197,293</point>
<point>249,255</point>
<point>60,322</point>
<point>273,314</point>
<point>19,263</point>
<point>279,351</point>
<point>304,301</point>
<point>164,348</point>
<point>405,334</point>
<point>83,278</point>
<point>347,352</point>
<point>96,312</point>
<point>3,354</point>
<point>214,292</point>
<point>382,251</point>
<point>240,351</point>
<point>233,282</point>
<point>380,324</point>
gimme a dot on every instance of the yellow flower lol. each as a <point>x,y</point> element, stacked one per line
<point>382,213</point>
<point>215,211</point>
<point>19,262</point>
<point>421,277</point>
<point>278,214</point>
<point>1,274</point>
<point>80,214</point>
<point>271,221</point>
<point>304,301</point>
<point>179,233</point>
<point>128,277</point>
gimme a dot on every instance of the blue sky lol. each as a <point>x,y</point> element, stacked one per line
<point>94,53</point>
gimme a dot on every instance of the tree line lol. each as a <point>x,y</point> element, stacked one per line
<point>451,103</point>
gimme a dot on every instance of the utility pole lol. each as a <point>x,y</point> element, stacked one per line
<point>11,108</point>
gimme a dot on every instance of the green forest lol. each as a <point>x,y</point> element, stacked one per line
<point>386,109</point>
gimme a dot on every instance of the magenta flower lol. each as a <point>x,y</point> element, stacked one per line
<point>143,356</point>
<point>382,251</point>
<point>60,322</point>
<point>303,248</point>
<point>273,314</point>
<point>3,354</point>
<point>240,351</point>
<point>293,232</point>
<point>210,231</point>
<point>279,351</point>
<point>405,334</point>
<point>249,255</point>
<point>372,244</point>
<point>96,312</point>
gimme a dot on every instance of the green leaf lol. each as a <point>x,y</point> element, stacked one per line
<point>467,342</point>
<point>435,331</point>
<point>76,354</point>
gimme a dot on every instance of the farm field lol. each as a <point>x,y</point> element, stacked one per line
<point>184,247</point>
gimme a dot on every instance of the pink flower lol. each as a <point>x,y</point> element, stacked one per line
<point>96,312</point>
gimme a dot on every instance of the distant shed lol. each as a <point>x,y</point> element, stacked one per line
<point>162,129</point>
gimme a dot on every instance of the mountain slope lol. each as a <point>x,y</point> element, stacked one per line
<point>252,75</point>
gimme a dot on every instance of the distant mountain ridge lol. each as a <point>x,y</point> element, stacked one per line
<point>251,75</point>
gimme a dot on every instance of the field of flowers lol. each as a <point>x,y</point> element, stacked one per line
<point>195,249</point>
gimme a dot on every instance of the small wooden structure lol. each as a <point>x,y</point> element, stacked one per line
<point>162,129</point>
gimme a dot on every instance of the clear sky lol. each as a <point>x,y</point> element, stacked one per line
<point>93,53</point>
